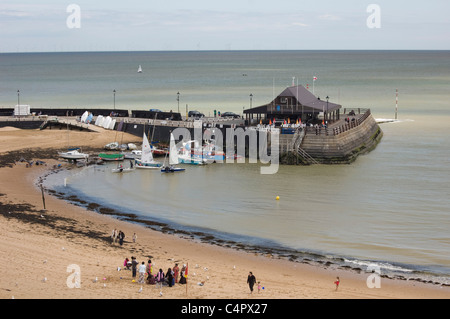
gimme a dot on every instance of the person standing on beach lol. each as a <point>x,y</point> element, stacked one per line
<point>133,266</point>
<point>142,270</point>
<point>149,268</point>
<point>160,277</point>
<point>182,277</point>
<point>121,237</point>
<point>134,237</point>
<point>114,236</point>
<point>169,276</point>
<point>251,280</point>
<point>337,283</point>
<point>176,271</point>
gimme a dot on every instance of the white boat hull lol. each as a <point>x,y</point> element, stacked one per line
<point>74,155</point>
<point>150,165</point>
<point>147,167</point>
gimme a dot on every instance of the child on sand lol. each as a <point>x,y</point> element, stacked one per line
<point>337,283</point>
<point>259,286</point>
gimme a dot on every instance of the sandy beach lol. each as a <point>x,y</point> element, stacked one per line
<point>41,251</point>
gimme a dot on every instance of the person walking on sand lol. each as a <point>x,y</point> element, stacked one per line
<point>134,237</point>
<point>337,283</point>
<point>251,280</point>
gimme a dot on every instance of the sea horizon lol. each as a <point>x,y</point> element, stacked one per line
<point>232,50</point>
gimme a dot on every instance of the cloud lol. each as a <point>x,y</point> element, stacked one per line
<point>299,24</point>
<point>14,13</point>
<point>329,17</point>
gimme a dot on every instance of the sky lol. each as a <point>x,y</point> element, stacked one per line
<point>155,25</point>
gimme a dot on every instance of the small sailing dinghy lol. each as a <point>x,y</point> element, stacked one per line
<point>173,158</point>
<point>146,160</point>
<point>121,169</point>
<point>139,69</point>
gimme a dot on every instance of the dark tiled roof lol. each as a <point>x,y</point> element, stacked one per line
<point>304,97</point>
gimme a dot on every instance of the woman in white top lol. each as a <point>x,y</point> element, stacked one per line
<point>142,271</point>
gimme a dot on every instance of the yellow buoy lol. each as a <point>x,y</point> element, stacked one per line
<point>278,197</point>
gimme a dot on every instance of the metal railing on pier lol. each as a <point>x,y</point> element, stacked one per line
<point>341,125</point>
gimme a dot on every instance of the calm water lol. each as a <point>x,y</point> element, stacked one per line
<point>391,206</point>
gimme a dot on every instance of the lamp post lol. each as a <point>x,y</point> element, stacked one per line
<point>327,105</point>
<point>18,97</point>
<point>114,92</point>
<point>178,99</point>
<point>251,99</point>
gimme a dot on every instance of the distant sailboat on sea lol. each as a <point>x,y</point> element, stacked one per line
<point>139,69</point>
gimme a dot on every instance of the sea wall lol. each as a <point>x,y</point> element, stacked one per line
<point>346,146</point>
<point>25,125</point>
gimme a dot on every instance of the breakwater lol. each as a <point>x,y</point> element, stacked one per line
<point>341,142</point>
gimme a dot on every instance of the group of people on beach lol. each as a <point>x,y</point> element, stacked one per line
<point>147,275</point>
<point>117,235</point>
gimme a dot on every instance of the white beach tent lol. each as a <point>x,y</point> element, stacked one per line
<point>99,120</point>
<point>107,122</point>
<point>84,117</point>
<point>89,118</point>
<point>112,125</point>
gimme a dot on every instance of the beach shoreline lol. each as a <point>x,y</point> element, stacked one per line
<point>49,242</point>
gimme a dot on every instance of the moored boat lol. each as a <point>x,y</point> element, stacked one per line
<point>73,155</point>
<point>111,157</point>
<point>173,159</point>
<point>146,160</point>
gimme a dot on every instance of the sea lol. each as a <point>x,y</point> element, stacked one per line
<point>388,211</point>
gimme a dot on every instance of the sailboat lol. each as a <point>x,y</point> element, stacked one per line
<point>173,158</point>
<point>139,69</point>
<point>192,153</point>
<point>146,160</point>
<point>121,169</point>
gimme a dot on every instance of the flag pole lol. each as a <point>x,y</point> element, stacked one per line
<point>396,103</point>
<point>313,83</point>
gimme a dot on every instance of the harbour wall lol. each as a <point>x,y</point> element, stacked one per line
<point>346,146</point>
<point>25,125</point>
<point>338,145</point>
